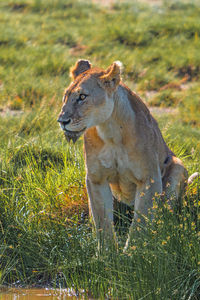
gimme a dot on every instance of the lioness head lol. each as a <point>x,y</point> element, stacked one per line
<point>88,100</point>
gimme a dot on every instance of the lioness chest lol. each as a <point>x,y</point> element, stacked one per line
<point>120,170</point>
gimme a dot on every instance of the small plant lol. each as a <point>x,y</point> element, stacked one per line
<point>190,107</point>
<point>165,98</point>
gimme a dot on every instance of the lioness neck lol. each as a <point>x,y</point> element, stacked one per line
<point>118,124</point>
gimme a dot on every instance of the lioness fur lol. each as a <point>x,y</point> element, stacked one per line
<point>125,153</point>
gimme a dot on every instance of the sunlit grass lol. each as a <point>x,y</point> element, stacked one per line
<point>40,40</point>
<point>45,233</point>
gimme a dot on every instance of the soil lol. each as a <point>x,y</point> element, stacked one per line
<point>111,2</point>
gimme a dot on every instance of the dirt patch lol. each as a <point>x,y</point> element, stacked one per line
<point>78,50</point>
<point>163,111</point>
<point>111,2</point>
<point>104,2</point>
<point>10,113</point>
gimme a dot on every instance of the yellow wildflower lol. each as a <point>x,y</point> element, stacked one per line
<point>133,247</point>
<point>193,225</point>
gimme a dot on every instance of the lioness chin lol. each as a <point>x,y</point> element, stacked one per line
<point>125,153</point>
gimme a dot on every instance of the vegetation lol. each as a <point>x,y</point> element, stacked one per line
<point>46,238</point>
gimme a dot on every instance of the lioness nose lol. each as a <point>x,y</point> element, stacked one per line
<point>66,122</point>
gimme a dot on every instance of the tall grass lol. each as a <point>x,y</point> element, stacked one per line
<point>46,238</point>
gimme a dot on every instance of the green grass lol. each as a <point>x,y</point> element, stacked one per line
<point>46,238</point>
<point>40,40</point>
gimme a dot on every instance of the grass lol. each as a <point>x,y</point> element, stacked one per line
<point>46,238</point>
<point>40,40</point>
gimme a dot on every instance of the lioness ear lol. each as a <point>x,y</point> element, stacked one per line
<point>80,67</point>
<point>112,76</point>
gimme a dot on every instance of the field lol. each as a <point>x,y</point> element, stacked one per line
<point>46,237</point>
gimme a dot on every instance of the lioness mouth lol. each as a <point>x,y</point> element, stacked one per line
<point>73,135</point>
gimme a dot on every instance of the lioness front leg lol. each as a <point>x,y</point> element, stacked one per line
<point>101,205</point>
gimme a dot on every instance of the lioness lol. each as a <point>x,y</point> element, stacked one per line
<point>126,155</point>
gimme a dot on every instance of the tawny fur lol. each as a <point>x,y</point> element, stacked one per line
<point>125,153</point>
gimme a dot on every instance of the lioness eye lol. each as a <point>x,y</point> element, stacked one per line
<point>82,97</point>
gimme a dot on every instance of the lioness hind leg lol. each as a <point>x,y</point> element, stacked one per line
<point>174,180</point>
<point>144,202</point>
